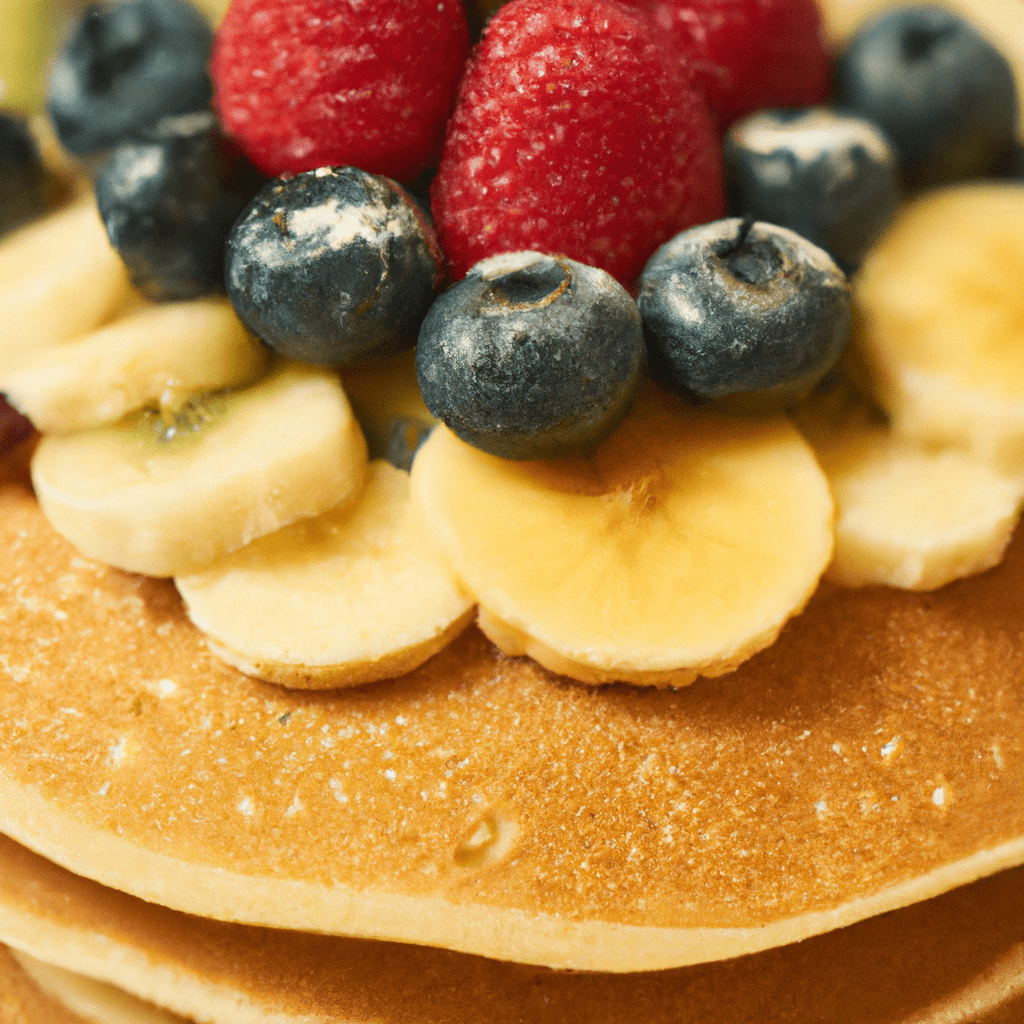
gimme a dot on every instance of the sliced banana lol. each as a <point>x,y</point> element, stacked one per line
<point>909,516</point>
<point>159,355</point>
<point>166,496</point>
<point>940,321</point>
<point>59,279</point>
<point>358,594</point>
<point>678,549</point>
<point>385,395</point>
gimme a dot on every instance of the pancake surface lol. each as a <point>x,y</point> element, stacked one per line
<point>874,756</point>
<point>22,1002</point>
<point>952,960</point>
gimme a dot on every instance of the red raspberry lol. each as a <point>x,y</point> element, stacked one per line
<point>574,134</point>
<point>369,83</point>
<point>747,55</point>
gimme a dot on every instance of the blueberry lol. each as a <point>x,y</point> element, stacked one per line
<point>125,66</point>
<point>942,94</point>
<point>22,176</point>
<point>531,356</point>
<point>403,438</point>
<point>735,307</point>
<point>333,266</point>
<point>170,202</point>
<point>827,176</point>
<point>1012,164</point>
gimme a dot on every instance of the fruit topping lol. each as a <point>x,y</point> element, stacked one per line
<point>532,356</point>
<point>828,176</point>
<point>574,133</point>
<point>943,95</point>
<point>126,65</point>
<point>386,399</point>
<point>169,203</point>
<point>13,426</point>
<point>307,83</point>
<point>59,279</point>
<point>158,356</point>
<point>747,55</point>
<point>167,491</point>
<point>333,266</point>
<point>22,175</point>
<point>735,307</point>
<point>909,516</point>
<point>938,314</point>
<point>357,594</point>
<point>678,548</point>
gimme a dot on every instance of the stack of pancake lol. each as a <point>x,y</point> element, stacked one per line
<point>871,759</point>
<point>483,841</point>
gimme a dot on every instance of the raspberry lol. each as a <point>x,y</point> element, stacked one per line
<point>574,133</point>
<point>307,83</point>
<point>747,55</point>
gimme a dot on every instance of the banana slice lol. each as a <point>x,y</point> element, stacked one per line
<point>357,594</point>
<point>940,321</point>
<point>912,517</point>
<point>679,548</point>
<point>59,279</point>
<point>166,496</point>
<point>385,396</point>
<point>160,355</point>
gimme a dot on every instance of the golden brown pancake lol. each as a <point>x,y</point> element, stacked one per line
<point>957,959</point>
<point>94,1001</point>
<point>873,757</point>
<point>22,1002</point>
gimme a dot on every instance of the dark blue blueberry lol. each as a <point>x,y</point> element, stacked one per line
<point>731,308</point>
<point>1012,164</point>
<point>402,440</point>
<point>22,176</point>
<point>531,356</point>
<point>333,266</point>
<point>829,177</point>
<point>942,94</point>
<point>125,66</point>
<point>170,202</point>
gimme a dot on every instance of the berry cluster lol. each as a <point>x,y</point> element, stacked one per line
<point>583,135</point>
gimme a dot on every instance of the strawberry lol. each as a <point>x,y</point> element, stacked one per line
<point>747,55</point>
<point>370,83</point>
<point>574,133</point>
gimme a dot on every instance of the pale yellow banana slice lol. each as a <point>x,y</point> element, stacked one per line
<point>163,496</point>
<point>59,279</point>
<point>160,355</point>
<point>912,517</point>
<point>678,549</point>
<point>940,321</point>
<point>385,396</point>
<point>25,45</point>
<point>357,594</point>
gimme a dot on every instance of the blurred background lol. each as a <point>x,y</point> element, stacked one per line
<point>29,32</point>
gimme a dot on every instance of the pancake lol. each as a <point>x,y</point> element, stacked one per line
<point>23,1002</point>
<point>91,1000</point>
<point>871,758</point>
<point>957,959</point>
